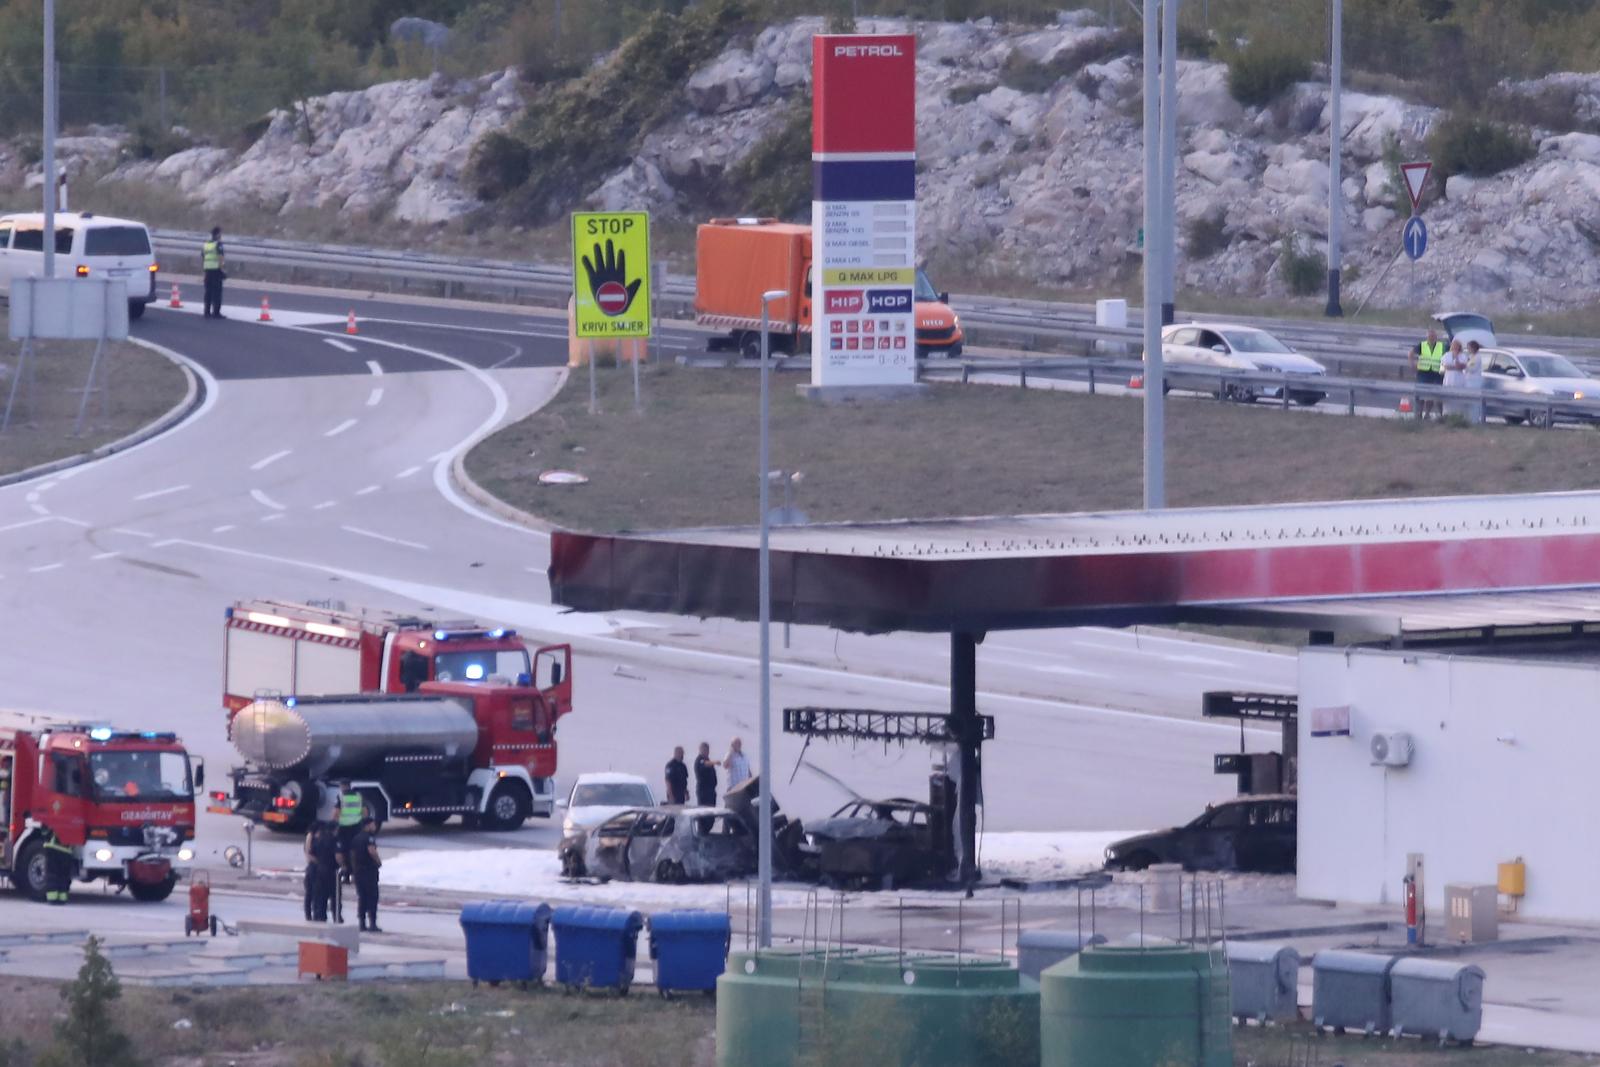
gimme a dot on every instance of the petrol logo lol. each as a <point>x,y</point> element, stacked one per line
<point>867,51</point>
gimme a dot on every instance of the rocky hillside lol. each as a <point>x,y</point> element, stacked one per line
<point>1029,170</point>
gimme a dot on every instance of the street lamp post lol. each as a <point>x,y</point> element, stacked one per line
<point>764,844</point>
<point>1154,247</point>
<point>1335,144</point>
<point>50,192</point>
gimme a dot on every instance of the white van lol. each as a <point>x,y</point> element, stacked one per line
<point>87,246</point>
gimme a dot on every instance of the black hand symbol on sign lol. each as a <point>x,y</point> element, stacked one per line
<point>610,266</point>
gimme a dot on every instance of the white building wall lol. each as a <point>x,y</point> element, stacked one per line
<point>1506,764</point>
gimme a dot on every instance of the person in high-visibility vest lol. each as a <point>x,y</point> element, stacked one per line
<point>1427,360</point>
<point>58,864</point>
<point>212,261</point>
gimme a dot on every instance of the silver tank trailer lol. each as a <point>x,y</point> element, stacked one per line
<point>328,737</point>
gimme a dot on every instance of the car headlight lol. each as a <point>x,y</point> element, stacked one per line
<point>185,855</point>
<point>566,827</point>
<point>103,855</point>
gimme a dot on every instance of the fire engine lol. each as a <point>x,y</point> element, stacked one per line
<point>278,649</point>
<point>121,800</point>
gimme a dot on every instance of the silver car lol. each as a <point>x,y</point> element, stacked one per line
<point>1512,374</point>
<point>1221,346</point>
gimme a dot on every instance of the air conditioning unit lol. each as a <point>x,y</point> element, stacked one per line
<point>1391,750</point>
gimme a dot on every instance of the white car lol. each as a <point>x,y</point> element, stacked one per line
<point>1221,346</point>
<point>597,797</point>
<point>87,246</point>
<point>1515,375</point>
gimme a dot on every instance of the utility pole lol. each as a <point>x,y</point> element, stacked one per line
<point>50,190</point>
<point>1154,436</point>
<point>1169,162</point>
<point>1335,145</point>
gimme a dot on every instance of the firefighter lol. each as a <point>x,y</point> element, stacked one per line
<point>58,864</point>
<point>364,861</point>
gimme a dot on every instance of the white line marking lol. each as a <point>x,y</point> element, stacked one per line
<point>152,494</point>
<point>224,528</point>
<point>45,567</point>
<point>374,396</point>
<point>32,497</point>
<point>263,464</point>
<point>340,345</point>
<point>130,531</point>
<point>516,354</point>
<point>72,522</point>
<point>105,555</point>
<point>367,490</point>
<point>264,500</point>
<point>375,368</point>
<point>38,509</point>
<point>47,486</point>
<point>325,505</point>
<point>22,525</point>
<point>439,457</point>
<point>168,541</point>
<point>383,537</point>
<point>274,517</point>
<point>341,428</point>
<point>408,472</point>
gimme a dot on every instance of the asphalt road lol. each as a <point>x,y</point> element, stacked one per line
<point>318,468</point>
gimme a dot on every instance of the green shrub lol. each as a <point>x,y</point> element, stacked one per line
<point>88,1036</point>
<point>1304,272</point>
<point>775,178</point>
<point>1462,144</point>
<point>499,163</point>
<point>149,141</point>
<point>1259,72</point>
<point>1206,236</point>
<point>966,92</point>
<point>1031,76</point>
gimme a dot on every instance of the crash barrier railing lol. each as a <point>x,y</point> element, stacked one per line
<point>1027,323</point>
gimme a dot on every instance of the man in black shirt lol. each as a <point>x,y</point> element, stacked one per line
<point>705,777</point>
<point>677,778</point>
<point>364,862</point>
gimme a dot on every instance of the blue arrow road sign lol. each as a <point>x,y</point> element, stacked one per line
<point>1414,238</point>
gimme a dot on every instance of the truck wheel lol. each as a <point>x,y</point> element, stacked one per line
<point>28,875</point>
<point>149,892</point>
<point>508,807</point>
<point>750,344</point>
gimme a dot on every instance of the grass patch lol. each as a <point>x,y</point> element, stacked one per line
<point>141,384</point>
<point>1284,1045</point>
<point>689,460</point>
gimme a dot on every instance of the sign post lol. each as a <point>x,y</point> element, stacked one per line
<point>611,283</point>
<point>863,210</point>
<point>1414,236</point>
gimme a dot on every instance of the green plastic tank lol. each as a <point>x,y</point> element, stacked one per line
<point>1159,1006</point>
<point>788,1008</point>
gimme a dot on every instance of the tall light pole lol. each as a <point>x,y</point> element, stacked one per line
<point>1155,491</point>
<point>50,120</point>
<point>764,845</point>
<point>1169,161</point>
<point>1335,143</point>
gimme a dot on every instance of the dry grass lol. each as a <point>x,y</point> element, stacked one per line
<point>439,1024</point>
<point>977,450</point>
<point>140,387</point>
<point>1272,1048</point>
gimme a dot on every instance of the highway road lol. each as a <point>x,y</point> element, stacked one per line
<point>317,468</point>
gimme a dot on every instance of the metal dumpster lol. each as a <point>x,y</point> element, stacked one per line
<point>1265,980</point>
<point>690,949</point>
<point>1350,990</point>
<point>1436,998</point>
<point>1040,949</point>
<point>595,947</point>
<point>506,940</point>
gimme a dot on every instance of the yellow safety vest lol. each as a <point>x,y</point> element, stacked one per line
<point>1430,356</point>
<point>350,809</point>
<point>211,255</point>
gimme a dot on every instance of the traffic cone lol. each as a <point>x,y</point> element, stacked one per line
<point>1136,382</point>
<point>1405,405</point>
<point>350,323</point>
<point>177,302</point>
<point>266,312</point>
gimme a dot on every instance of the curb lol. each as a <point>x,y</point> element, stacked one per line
<point>463,482</point>
<point>194,396</point>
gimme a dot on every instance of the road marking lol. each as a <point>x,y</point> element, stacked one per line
<point>340,345</point>
<point>439,457</point>
<point>130,532</point>
<point>374,396</point>
<point>45,567</point>
<point>47,486</point>
<point>31,497</point>
<point>152,494</point>
<point>375,368</point>
<point>265,501</point>
<point>367,490</point>
<point>341,428</point>
<point>38,509</point>
<point>383,537</point>
<point>263,464</point>
<point>72,522</point>
<point>224,528</point>
<point>168,541</point>
<point>22,525</point>
<point>408,472</point>
<point>516,354</point>
<point>105,555</point>
<point>274,517</point>
<point>325,505</point>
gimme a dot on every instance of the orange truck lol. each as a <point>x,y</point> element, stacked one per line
<point>736,260</point>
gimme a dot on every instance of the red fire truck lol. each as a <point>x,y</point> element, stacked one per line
<point>272,648</point>
<point>122,800</point>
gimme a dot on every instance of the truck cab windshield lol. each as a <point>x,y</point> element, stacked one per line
<point>926,293</point>
<point>480,665</point>
<point>143,775</point>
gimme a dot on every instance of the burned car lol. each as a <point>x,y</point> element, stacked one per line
<point>879,844</point>
<point>673,845</point>
<point>1248,833</point>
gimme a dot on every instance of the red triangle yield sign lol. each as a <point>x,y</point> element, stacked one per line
<point>1416,174</point>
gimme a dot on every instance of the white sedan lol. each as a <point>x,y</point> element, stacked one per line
<point>597,797</point>
<point>1218,346</point>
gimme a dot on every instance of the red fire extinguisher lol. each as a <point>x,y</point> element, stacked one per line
<point>1411,909</point>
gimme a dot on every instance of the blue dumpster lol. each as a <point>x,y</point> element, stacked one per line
<point>690,949</point>
<point>507,940</point>
<point>595,947</point>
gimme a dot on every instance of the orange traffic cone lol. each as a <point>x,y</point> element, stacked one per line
<point>177,302</point>
<point>1136,382</point>
<point>350,323</point>
<point>1405,405</point>
<point>266,312</point>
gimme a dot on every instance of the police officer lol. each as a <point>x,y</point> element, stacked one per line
<point>211,260</point>
<point>309,888</point>
<point>57,869</point>
<point>327,904</point>
<point>364,861</point>
<point>352,808</point>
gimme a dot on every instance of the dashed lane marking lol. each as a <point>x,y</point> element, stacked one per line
<point>375,367</point>
<point>341,428</point>
<point>340,345</point>
<point>325,505</point>
<point>383,537</point>
<point>152,494</point>
<point>25,523</point>
<point>45,567</point>
<point>274,517</point>
<point>368,490</point>
<point>408,472</point>
<point>224,528</point>
<point>374,396</point>
<point>105,555</point>
<point>168,541</point>
<point>130,531</point>
<point>264,500</point>
<point>267,461</point>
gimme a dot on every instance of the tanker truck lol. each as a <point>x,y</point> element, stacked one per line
<point>485,751</point>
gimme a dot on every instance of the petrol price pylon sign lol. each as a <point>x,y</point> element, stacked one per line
<point>611,273</point>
